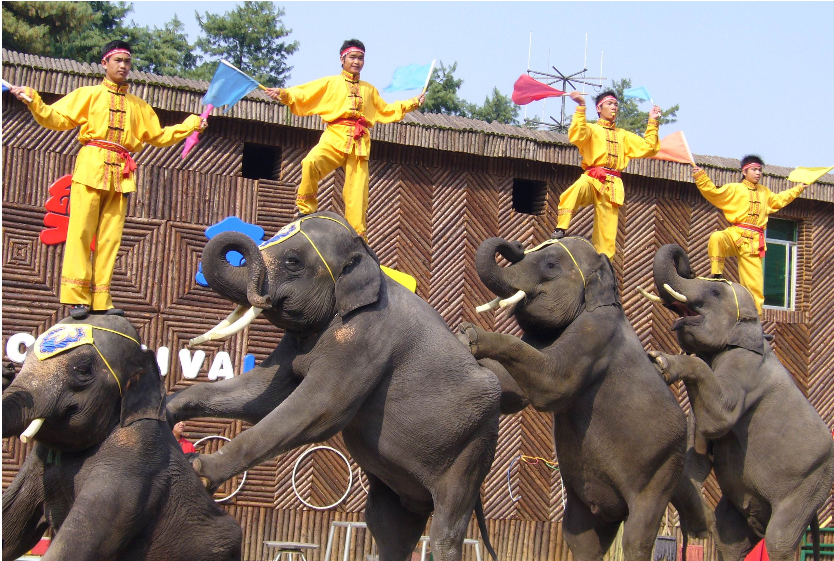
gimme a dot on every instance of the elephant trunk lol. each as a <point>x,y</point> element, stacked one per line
<point>18,411</point>
<point>502,281</point>
<point>243,284</point>
<point>672,271</point>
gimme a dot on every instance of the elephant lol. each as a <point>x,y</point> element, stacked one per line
<point>361,355</point>
<point>619,433</point>
<point>106,472</point>
<point>772,454</point>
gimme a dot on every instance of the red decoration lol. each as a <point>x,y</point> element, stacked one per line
<point>527,90</point>
<point>57,207</point>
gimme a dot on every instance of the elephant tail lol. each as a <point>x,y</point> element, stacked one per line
<point>684,543</point>
<point>815,536</point>
<point>479,514</point>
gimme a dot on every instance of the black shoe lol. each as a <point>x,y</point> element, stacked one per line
<point>557,234</point>
<point>79,311</point>
<point>718,276</point>
<point>299,215</point>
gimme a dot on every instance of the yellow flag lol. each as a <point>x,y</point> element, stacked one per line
<point>403,278</point>
<point>808,175</point>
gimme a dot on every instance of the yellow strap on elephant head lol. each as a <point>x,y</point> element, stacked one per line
<point>735,295</point>
<point>63,337</point>
<point>294,228</point>
<point>572,258</point>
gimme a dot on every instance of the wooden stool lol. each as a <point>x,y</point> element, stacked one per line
<point>292,549</point>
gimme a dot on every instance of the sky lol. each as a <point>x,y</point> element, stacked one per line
<point>750,77</point>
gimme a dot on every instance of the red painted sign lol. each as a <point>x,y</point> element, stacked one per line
<point>56,219</point>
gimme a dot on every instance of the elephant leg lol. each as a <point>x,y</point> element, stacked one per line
<point>586,535</point>
<point>791,516</point>
<point>23,511</point>
<point>734,538</point>
<point>395,528</point>
<point>645,515</point>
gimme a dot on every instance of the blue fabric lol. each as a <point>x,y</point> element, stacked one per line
<point>5,89</point>
<point>411,77</point>
<point>637,93</point>
<point>228,86</point>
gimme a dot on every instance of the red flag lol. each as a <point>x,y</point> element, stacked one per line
<point>527,90</point>
<point>674,148</point>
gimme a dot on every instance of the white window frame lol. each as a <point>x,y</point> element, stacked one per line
<point>790,274</point>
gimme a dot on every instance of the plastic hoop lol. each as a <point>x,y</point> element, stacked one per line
<point>242,481</point>
<point>359,479</point>
<point>295,470</point>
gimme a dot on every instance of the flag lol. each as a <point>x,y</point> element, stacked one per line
<point>5,88</point>
<point>808,175</point>
<point>637,93</point>
<point>228,86</point>
<point>527,90</point>
<point>410,77</point>
<point>674,148</point>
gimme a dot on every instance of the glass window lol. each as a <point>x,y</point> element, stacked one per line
<point>780,264</point>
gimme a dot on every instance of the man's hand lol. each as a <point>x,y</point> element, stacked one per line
<point>20,93</point>
<point>421,100</point>
<point>274,93</point>
<point>203,124</point>
<point>696,169</point>
<point>577,97</point>
<point>655,113</point>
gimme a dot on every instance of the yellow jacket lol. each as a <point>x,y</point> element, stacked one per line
<point>745,203</point>
<point>107,112</point>
<point>602,145</point>
<point>345,97</point>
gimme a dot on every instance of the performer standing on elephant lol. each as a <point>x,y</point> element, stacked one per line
<point>349,107</point>
<point>113,124</point>
<point>746,206</point>
<point>606,151</point>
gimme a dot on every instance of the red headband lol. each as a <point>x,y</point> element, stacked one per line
<point>603,100</point>
<point>350,50</point>
<point>750,165</point>
<point>115,52</point>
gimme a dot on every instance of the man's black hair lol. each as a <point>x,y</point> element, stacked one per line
<point>605,94</point>
<point>752,159</point>
<point>117,44</point>
<point>352,43</point>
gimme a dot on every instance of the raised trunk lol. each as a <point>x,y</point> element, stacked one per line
<point>671,266</point>
<point>502,281</point>
<point>18,411</point>
<point>242,285</point>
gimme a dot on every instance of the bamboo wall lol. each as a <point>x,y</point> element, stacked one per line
<point>429,210</point>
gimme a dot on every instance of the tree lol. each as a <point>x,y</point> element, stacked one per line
<point>442,94</point>
<point>631,118</point>
<point>250,38</point>
<point>163,51</point>
<point>499,108</point>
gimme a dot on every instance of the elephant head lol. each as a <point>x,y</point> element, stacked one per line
<point>551,284</point>
<point>81,379</point>
<point>715,314</point>
<point>311,270</point>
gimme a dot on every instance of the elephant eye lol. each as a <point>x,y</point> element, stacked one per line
<point>82,371</point>
<point>293,262</point>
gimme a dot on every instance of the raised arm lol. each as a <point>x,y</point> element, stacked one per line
<point>302,100</point>
<point>578,132</point>
<point>718,196</point>
<point>65,114</point>
<point>156,135</point>
<point>392,112</point>
<point>647,145</point>
<point>775,201</point>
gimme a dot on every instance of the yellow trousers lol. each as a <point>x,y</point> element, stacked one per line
<point>582,193</point>
<point>99,213</point>
<point>323,159</point>
<point>750,267</point>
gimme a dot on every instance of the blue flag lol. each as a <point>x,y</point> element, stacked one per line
<point>637,93</point>
<point>411,77</point>
<point>5,88</point>
<point>228,86</point>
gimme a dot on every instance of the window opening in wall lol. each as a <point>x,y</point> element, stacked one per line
<point>780,264</point>
<point>261,161</point>
<point>529,196</point>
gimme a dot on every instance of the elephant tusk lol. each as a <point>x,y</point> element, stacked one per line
<point>517,297</point>
<point>488,306</point>
<point>31,430</point>
<point>650,296</point>
<point>222,332</point>
<point>676,295</point>
<point>230,319</point>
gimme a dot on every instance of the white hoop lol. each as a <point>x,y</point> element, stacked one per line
<point>359,478</point>
<point>242,481</point>
<point>295,470</point>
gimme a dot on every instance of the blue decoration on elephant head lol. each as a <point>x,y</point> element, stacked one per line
<point>230,224</point>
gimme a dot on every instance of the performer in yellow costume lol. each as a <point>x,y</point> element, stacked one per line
<point>746,206</point>
<point>349,107</point>
<point>113,124</point>
<point>606,151</point>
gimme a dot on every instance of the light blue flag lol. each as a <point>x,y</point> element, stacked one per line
<point>228,86</point>
<point>637,93</point>
<point>411,77</point>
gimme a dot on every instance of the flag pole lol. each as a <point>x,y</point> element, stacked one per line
<point>688,151</point>
<point>428,78</point>
<point>24,96</point>
<point>230,65</point>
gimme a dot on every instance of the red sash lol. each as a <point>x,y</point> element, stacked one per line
<point>360,125</point>
<point>130,164</point>
<point>600,173</point>
<point>760,231</point>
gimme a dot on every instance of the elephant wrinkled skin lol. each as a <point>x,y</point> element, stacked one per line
<point>106,472</point>
<point>773,455</point>
<point>363,355</point>
<point>619,432</point>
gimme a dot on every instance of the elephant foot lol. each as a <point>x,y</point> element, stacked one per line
<point>468,335</point>
<point>205,468</point>
<point>662,365</point>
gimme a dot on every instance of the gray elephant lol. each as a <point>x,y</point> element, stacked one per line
<point>618,430</point>
<point>772,454</point>
<point>106,472</point>
<point>363,355</point>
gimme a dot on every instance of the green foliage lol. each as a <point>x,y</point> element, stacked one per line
<point>250,38</point>
<point>163,51</point>
<point>630,117</point>
<point>499,108</point>
<point>442,97</point>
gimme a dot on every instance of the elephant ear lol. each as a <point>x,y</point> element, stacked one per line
<point>747,333</point>
<point>601,285</point>
<point>360,279</point>
<point>143,395</point>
